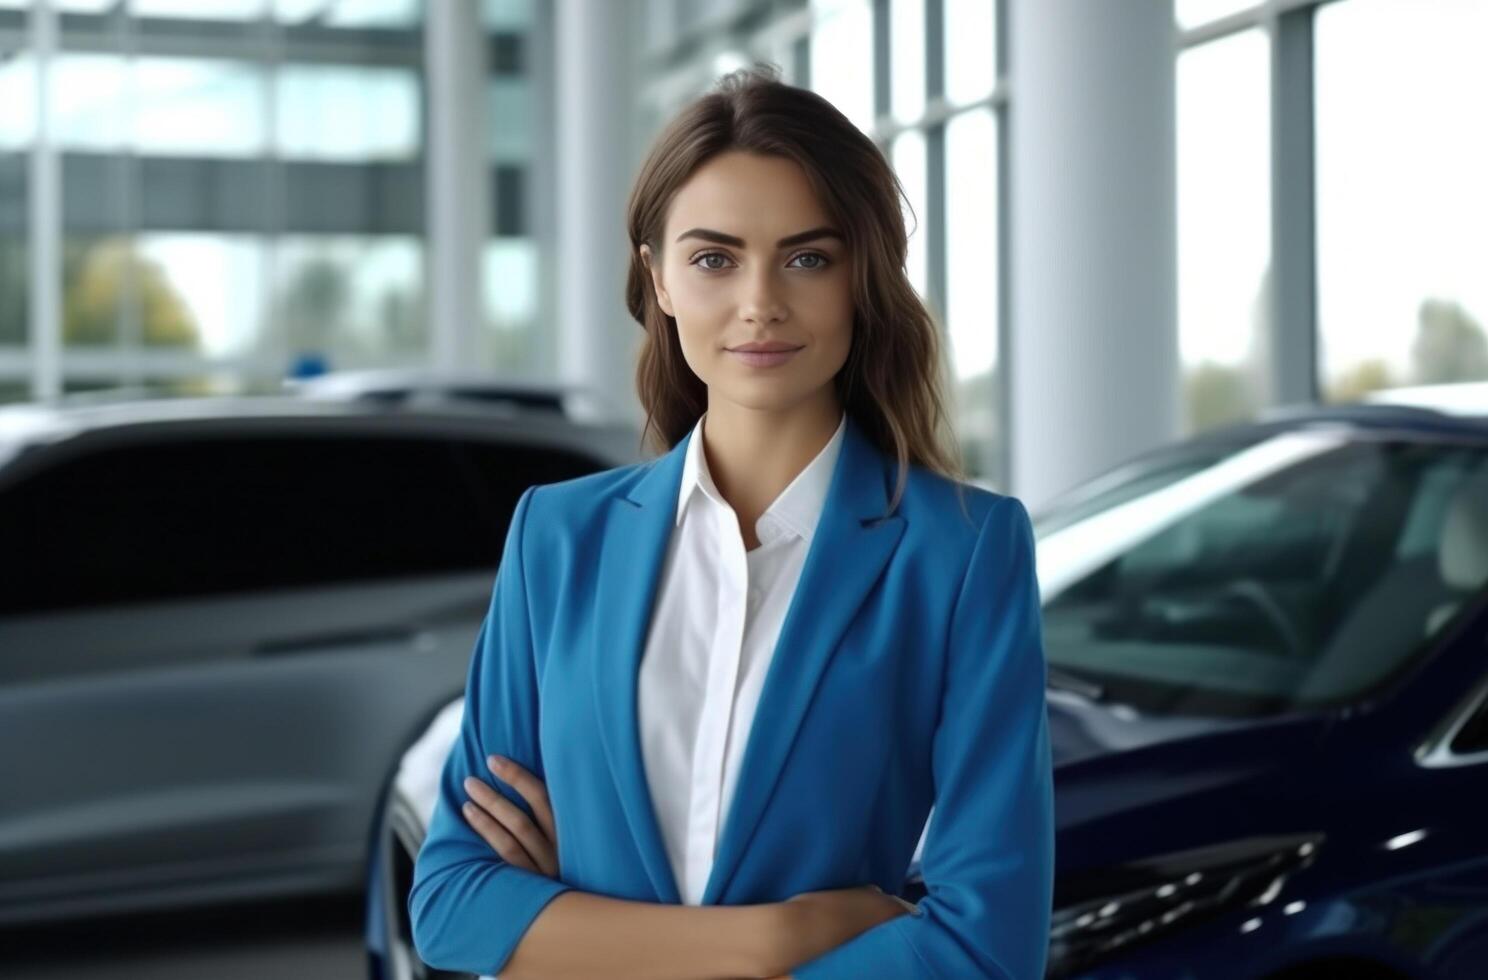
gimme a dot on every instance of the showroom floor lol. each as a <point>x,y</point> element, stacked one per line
<point>317,939</point>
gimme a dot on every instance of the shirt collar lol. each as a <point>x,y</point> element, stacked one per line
<point>797,508</point>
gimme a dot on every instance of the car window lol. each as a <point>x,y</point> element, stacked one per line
<point>182,518</point>
<point>1304,570</point>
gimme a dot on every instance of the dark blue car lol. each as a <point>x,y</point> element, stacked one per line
<point>1268,694</point>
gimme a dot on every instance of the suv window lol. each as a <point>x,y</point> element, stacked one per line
<point>182,518</point>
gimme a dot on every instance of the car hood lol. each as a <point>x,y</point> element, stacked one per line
<point>1082,729</point>
<point>1109,758</point>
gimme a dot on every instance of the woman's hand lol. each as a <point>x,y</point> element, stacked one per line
<point>503,825</point>
<point>818,922</point>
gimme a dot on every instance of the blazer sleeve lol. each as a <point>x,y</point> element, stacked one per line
<point>468,907</point>
<point>988,861</point>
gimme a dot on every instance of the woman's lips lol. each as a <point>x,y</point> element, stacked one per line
<point>764,358</point>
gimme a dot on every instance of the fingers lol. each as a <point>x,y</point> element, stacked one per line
<point>501,841</point>
<point>531,789</point>
<point>505,827</point>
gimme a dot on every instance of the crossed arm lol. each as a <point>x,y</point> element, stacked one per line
<point>744,941</point>
<point>736,943</point>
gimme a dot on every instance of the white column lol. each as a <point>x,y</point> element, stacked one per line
<point>594,112</point>
<point>458,206</point>
<point>45,215</point>
<point>1092,343</point>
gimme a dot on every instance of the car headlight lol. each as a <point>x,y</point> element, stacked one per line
<point>1100,913</point>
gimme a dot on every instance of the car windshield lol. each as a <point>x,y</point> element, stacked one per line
<point>1304,569</point>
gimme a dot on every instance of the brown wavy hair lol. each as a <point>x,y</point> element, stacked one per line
<point>892,382</point>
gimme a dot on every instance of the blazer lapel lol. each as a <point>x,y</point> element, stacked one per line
<point>847,554</point>
<point>636,532</point>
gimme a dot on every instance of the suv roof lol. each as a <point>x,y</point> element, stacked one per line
<point>559,414</point>
<point>1467,399</point>
<point>396,385</point>
<point>1460,409</point>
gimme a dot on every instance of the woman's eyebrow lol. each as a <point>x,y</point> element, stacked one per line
<point>805,236</point>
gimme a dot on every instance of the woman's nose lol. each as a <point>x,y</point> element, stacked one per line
<point>761,301</point>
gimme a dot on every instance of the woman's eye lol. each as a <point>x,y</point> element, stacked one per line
<point>821,263</point>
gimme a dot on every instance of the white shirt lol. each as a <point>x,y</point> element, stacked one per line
<point>713,630</point>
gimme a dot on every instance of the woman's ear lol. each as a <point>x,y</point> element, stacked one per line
<point>662,299</point>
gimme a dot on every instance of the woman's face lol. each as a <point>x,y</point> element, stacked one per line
<point>748,254</point>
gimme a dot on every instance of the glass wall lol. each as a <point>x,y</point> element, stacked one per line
<point>973,254</point>
<point>1402,201</point>
<point>842,63</point>
<point>1224,227</point>
<point>512,339</point>
<point>1192,13</point>
<point>973,285</point>
<point>243,187</point>
<point>1377,139</point>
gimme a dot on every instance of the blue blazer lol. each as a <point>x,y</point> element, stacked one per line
<point>910,673</point>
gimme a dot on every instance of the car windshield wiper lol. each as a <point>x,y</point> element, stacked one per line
<point>1062,680</point>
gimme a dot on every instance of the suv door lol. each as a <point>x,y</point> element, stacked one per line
<point>214,647</point>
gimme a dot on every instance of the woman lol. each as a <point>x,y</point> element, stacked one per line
<point>744,672</point>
